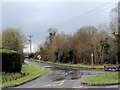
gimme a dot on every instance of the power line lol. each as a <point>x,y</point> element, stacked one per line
<point>80,16</point>
<point>84,16</point>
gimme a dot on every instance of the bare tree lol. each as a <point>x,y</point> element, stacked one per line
<point>13,39</point>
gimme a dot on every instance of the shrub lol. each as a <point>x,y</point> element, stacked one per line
<point>31,55</point>
<point>11,61</point>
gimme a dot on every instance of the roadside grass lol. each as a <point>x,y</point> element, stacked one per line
<point>102,79</point>
<point>30,71</point>
<point>0,80</point>
<point>11,76</point>
<point>70,65</point>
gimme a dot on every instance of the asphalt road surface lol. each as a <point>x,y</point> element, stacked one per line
<point>62,78</point>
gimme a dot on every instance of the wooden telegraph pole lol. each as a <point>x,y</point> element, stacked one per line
<point>30,40</point>
<point>118,38</point>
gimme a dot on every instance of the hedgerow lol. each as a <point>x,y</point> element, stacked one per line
<point>11,61</point>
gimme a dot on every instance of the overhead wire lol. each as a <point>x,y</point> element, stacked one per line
<point>78,17</point>
<point>84,16</point>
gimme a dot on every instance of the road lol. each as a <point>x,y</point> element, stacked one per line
<point>62,78</point>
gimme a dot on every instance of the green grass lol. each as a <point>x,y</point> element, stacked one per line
<point>32,72</point>
<point>71,65</point>
<point>12,76</point>
<point>102,79</point>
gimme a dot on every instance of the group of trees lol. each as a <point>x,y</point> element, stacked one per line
<point>102,44</point>
<point>77,48</point>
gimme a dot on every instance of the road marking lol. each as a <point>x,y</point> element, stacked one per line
<point>78,87</point>
<point>59,83</point>
<point>47,85</point>
<point>113,86</point>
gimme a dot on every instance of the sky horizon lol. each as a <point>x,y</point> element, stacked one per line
<point>35,18</point>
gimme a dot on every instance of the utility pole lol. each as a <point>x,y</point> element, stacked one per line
<point>30,40</point>
<point>118,39</point>
<point>92,57</point>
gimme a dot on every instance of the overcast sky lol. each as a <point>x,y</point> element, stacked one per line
<point>35,18</point>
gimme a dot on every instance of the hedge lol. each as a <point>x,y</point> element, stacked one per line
<point>11,61</point>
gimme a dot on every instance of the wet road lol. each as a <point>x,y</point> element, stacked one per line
<point>62,78</point>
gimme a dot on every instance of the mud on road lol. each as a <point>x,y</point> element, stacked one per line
<point>60,77</point>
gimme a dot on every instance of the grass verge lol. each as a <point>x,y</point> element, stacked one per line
<point>32,73</point>
<point>71,65</point>
<point>102,79</point>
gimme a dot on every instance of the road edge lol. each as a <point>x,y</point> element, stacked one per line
<point>107,84</point>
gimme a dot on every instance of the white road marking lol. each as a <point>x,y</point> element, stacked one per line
<point>78,87</point>
<point>59,83</point>
<point>113,86</point>
<point>47,85</point>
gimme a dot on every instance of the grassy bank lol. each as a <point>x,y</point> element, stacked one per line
<point>30,72</point>
<point>102,79</point>
<point>71,65</point>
